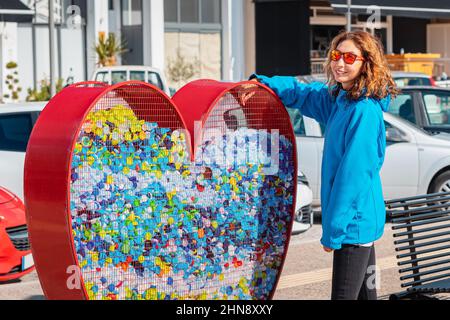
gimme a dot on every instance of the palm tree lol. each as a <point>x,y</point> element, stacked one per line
<point>108,48</point>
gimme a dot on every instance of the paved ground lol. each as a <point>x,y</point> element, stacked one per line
<point>307,271</point>
<point>306,274</point>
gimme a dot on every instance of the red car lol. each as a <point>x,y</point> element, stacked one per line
<point>15,251</point>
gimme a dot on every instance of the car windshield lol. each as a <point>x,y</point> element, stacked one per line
<point>153,78</point>
<point>437,107</point>
<point>15,130</point>
<point>403,107</point>
<point>119,76</point>
<point>137,75</point>
<point>102,77</point>
<point>412,81</point>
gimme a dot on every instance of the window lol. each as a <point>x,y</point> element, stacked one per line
<point>15,131</point>
<point>153,78</point>
<point>211,11</point>
<point>403,107</point>
<point>132,12</point>
<point>297,121</point>
<point>188,13</point>
<point>405,81</point>
<point>171,10</point>
<point>437,107</point>
<point>118,76</point>
<point>102,77</point>
<point>137,75</point>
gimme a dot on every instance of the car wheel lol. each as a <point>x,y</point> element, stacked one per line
<point>441,183</point>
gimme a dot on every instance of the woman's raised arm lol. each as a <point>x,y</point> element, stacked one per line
<point>313,100</point>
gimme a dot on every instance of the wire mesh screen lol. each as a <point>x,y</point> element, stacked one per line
<point>246,153</point>
<point>148,223</point>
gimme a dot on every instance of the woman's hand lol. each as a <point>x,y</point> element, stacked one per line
<point>327,249</point>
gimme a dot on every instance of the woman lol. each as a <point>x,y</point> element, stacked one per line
<point>351,107</point>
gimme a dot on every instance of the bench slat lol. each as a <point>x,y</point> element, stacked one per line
<point>400,256</point>
<point>406,233</point>
<point>421,216</point>
<point>420,223</point>
<point>408,284</point>
<point>413,203</point>
<point>435,256</point>
<point>437,286</point>
<point>421,245</point>
<point>429,236</point>
<point>423,266</point>
<point>425,196</point>
<point>423,273</point>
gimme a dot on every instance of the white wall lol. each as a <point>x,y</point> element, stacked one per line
<point>438,41</point>
<point>250,40</point>
<point>25,59</point>
<point>8,52</point>
<point>114,24</point>
<point>233,46</point>
<point>237,40</point>
<point>97,21</point>
<point>72,54</point>
<point>153,30</point>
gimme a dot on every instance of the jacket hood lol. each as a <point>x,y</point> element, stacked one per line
<point>384,103</point>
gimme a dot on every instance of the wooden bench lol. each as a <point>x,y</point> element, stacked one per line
<point>422,239</point>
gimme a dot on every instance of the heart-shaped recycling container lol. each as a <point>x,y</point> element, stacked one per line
<point>133,195</point>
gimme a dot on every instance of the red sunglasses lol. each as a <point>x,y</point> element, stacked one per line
<point>349,57</point>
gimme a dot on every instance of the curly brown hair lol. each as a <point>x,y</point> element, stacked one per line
<point>375,79</point>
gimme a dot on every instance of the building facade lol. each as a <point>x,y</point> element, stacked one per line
<point>217,39</point>
<point>208,35</point>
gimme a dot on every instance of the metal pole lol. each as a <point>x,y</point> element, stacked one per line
<point>51,26</point>
<point>33,38</point>
<point>349,16</point>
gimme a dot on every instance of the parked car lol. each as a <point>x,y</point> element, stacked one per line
<point>416,161</point>
<point>16,124</point>
<point>303,207</point>
<point>16,259</point>
<point>403,79</point>
<point>424,106</point>
<point>116,74</point>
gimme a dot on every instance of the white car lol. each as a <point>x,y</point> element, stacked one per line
<point>403,79</point>
<point>116,74</point>
<point>16,124</point>
<point>303,207</point>
<point>416,161</point>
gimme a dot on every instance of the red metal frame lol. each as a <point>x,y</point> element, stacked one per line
<point>46,181</point>
<point>49,157</point>
<point>205,95</point>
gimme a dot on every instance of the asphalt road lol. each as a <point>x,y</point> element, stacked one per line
<point>306,274</point>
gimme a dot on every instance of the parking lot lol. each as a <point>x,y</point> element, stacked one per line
<point>306,274</point>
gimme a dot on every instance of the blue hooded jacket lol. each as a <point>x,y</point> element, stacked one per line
<point>353,210</point>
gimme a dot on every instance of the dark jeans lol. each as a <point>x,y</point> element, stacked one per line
<point>354,273</point>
